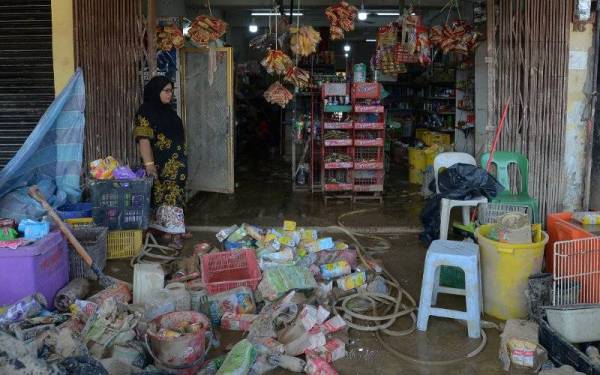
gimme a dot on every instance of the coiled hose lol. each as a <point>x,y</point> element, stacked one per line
<point>390,308</point>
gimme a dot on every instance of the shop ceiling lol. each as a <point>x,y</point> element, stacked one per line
<point>238,13</point>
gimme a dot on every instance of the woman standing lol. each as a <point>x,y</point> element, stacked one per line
<point>161,140</point>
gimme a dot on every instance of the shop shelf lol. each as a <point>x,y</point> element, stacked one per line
<point>337,142</point>
<point>369,142</point>
<point>358,108</point>
<point>337,125</point>
<point>366,90</point>
<point>339,165</point>
<point>338,108</point>
<point>369,125</point>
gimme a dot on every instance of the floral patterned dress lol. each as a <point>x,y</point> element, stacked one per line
<point>167,138</point>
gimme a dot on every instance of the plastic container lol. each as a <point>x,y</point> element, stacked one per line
<point>121,204</point>
<point>124,243</point>
<point>562,352</point>
<point>41,267</point>
<point>180,294</point>
<point>420,133</point>
<point>560,229</point>
<point>505,271</point>
<point>576,323</point>
<point>75,210</point>
<point>228,270</point>
<point>93,240</point>
<point>147,278</point>
<point>417,163</point>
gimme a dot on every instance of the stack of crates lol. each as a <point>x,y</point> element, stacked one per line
<point>336,141</point>
<point>369,141</point>
<point>124,207</point>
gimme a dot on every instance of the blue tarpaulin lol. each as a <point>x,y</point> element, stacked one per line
<point>51,156</point>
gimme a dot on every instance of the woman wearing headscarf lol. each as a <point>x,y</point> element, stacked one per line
<point>161,140</point>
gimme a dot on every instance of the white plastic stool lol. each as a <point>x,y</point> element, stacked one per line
<point>446,160</point>
<point>464,255</point>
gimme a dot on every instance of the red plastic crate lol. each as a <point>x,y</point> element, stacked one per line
<point>230,269</point>
<point>338,187</point>
<point>337,125</point>
<point>366,90</point>
<point>368,180</point>
<point>368,108</point>
<point>369,142</point>
<point>368,158</point>
<point>369,125</point>
<point>338,142</point>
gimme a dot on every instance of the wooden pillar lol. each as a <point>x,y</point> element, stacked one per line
<point>150,31</point>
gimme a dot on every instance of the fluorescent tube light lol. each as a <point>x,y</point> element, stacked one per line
<point>388,13</point>
<point>274,14</point>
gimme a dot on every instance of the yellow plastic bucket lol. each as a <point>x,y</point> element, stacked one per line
<point>420,133</point>
<point>505,271</point>
<point>416,165</point>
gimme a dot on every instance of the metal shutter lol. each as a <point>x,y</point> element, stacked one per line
<point>26,76</point>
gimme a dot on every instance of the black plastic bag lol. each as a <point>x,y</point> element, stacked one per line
<point>460,181</point>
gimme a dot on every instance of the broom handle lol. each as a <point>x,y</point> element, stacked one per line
<point>497,135</point>
<point>35,193</point>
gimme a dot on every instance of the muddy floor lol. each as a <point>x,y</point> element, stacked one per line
<point>264,197</point>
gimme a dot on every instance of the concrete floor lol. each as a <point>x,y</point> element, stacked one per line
<point>264,197</point>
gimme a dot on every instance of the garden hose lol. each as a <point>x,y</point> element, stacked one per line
<point>381,322</point>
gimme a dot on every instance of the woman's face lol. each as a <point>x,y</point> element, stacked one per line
<point>166,94</point>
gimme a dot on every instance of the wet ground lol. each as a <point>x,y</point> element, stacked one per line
<point>264,197</point>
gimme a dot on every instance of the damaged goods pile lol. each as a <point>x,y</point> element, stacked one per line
<point>287,294</point>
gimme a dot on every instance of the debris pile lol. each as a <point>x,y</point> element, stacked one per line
<point>277,288</point>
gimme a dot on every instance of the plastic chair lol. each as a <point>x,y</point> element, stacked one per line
<point>464,255</point>
<point>446,160</point>
<point>502,160</point>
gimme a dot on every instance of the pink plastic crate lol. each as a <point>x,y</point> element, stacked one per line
<point>230,269</point>
<point>41,267</point>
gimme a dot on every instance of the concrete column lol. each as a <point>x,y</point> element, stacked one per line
<point>63,50</point>
<point>580,66</point>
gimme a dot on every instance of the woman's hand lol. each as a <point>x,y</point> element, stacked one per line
<point>151,170</point>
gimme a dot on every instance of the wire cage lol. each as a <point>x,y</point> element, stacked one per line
<point>576,271</point>
<point>338,157</point>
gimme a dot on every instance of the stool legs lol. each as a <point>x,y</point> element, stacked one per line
<point>445,209</point>
<point>473,290</point>
<point>425,301</point>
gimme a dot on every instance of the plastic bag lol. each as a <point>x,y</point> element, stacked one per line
<point>239,360</point>
<point>123,173</point>
<point>462,182</point>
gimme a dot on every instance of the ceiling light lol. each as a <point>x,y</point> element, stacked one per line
<point>253,27</point>
<point>371,40</point>
<point>388,13</point>
<point>347,48</point>
<point>362,14</point>
<point>274,14</point>
<point>186,30</point>
<point>345,55</point>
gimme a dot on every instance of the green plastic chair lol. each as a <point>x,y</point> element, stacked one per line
<point>502,160</point>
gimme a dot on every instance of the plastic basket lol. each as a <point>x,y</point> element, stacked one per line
<point>80,222</point>
<point>231,269</point>
<point>75,210</point>
<point>563,352</point>
<point>93,240</point>
<point>488,213</point>
<point>121,204</point>
<point>124,243</point>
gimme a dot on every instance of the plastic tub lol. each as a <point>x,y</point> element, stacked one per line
<point>41,267</point>
<point>576,323</point>
<point>505,271</point>
<point>75,210</point>
<point>560,229</point>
